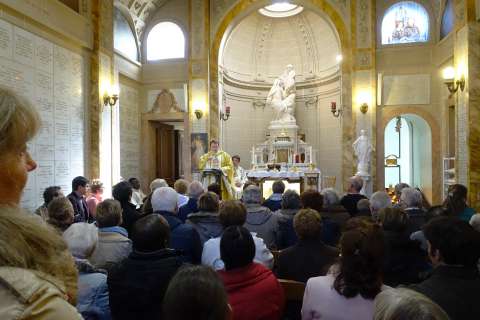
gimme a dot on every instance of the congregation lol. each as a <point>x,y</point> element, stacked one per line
<point>183,253</point>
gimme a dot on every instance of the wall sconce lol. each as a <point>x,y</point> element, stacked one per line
<point>226,115</point>
<point>110,100</point>
<point>333,108</point>
<point>198,114</point>
<point>364,107</point>
<point>452,85</point>
<point>199,108</point>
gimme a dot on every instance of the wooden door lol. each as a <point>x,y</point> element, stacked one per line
<point>166,152</point>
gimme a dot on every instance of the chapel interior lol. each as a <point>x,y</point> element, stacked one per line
<point>309,92</point>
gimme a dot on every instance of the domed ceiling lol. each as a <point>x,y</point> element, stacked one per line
<point>259,48</point>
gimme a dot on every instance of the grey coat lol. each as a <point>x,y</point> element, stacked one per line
<point>264,222</point>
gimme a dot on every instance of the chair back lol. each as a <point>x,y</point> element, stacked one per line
<point>293,289</point>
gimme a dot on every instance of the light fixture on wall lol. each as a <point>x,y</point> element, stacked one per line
<point>449,80</point>
<point>333,108</point>
<point>364,99</point>
<point>226,115</point>
<point>199,107</point>
<point>364,107</point>
<point>110,99</point>
<point>198,113</point>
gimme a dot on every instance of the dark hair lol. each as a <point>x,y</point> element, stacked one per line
<point>201,290</point>
<point>109,213</point>
<point>150,233</point>
<point>425,203</point>
<point>237,248</point>
<point>209,202</point>
<point>232,213</point>
<point>215,188</point>
<point>435,211</point>
<point>278,186</point>
<point>291,200</point>
<point>122,191</point>
<point>79,182</point>
<point>312,199</point>
<point>456,199</point>
<point>393,219</point>
<point>457,242</point>
<point>308,224</point>
<point>133,181</point>
<point>213,141</point>
<point>51,193</point>
<point>361,261</point>
<point>236,157</point>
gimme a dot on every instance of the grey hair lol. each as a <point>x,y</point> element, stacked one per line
<point>356,182</point>
<point>158,183</point>
<point>411,197</point>
<point>330,197</point>
<point>81,239</point>
<point>403,303</point>
<point>399,187</point>
<point>195,189</point>
<point>380,200</point>
<point>165,199</point>
<point>291,200</point>
<point>252,195</point>
<point>475,221</point>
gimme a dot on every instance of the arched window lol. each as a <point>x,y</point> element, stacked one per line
<point>124,39</point>
<point>165,41</point>
<point>405,22</point>
<point>448,19</point>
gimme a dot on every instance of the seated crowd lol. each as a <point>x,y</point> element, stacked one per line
<point>182,253</point>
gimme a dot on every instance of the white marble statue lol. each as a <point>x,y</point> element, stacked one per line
<point>363,149</point>
<point>282,96</point>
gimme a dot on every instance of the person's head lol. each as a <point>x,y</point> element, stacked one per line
<point>122,192</point>
<point>197,287</point>
<point>355,184</point>
<point>232,213</point>
<point>215,188</point>
<point>237,248</point>
<point>363,205</point>
<point>330,197</point>
<point>158,183</point>
<point>456,200</point>
<point>236,160</point>
<point>290,200</point>
<point>208,202</point>
<point>403,303</point>
<point>81,239</point>
<point>135,183</point>
<point>181,186</point>
<point>165,199</point>
<point>150,233</point>
<point>308,224</point>
<point>19,123</point>
<point>399,187</point>
<point>411,198</point>
<point>109,213</point>
<point>379,200</point>
<point>96,187</point>
<point>278,187</point>
<point>60,213</point>
<point>252,195</point>
<point>80,185</point>
<point>361,261</point>
<point>475,222</point>
<point>435,211</point>
<point>452,241</point>
<point>51,193</point>
<point>195,190</point>
<point>214,145</point>
<point>312,199</point>
<point>248,183</point>
<point>393,219</point>
<point>27,243</point>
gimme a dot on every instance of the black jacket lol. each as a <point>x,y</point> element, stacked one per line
<point>80,208</point>
<point>304,260</point>
<point>455,289</point>
<point>190,207</point>
<point>349,202</point>
<point>137,285</point>
<point>416,218</point>
<point>129,216</point>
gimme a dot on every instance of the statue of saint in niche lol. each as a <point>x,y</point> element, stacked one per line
<point>282,96</point>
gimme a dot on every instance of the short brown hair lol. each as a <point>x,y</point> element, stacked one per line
<point>208,201</point>
<point>232,213</point>
<point>393,219</point>
<point>312,199</point>
<point>109,213</point>
<point>236,157</point>
<point>181,186</point>
<point>308,224</point>
<point>60,213</point>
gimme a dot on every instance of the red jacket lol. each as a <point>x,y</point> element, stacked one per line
<point>254,293</point>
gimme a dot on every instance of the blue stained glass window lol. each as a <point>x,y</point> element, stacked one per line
<point>448,19</point>
<point>405,22</point>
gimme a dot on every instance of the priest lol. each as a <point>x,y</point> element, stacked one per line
<point>220,160</point>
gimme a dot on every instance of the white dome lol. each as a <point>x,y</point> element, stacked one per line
<point>259,48</point>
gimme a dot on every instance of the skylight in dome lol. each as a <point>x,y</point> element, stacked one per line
<point>281,10</point>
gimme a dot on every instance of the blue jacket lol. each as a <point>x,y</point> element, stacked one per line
<point>190,207</point>
<point>207,225</point>
<point>274,202</point>
<point>183,237</point>
<point>93,300</point>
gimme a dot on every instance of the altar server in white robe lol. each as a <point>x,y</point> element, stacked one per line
<point>239,177</point>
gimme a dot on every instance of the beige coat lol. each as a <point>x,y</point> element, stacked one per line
<point>29,294</point>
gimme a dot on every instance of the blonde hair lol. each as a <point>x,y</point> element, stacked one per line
<point>28,243</point>
<point>181,186</point>
<point>19,121</point>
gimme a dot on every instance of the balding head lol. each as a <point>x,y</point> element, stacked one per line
<point>165,199</point>
<point>355,184</point>
<point>195,190</point>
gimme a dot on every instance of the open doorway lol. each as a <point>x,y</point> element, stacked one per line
<point>407,153</point>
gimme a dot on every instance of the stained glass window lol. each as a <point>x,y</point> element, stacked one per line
<point>405,22</point>
<point>448,19</point>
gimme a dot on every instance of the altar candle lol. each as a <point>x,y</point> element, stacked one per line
<point>227,110</point>
<point>253,155</point>
<point>311,154</point>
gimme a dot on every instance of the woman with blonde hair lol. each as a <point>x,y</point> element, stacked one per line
<point>38,278</point>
